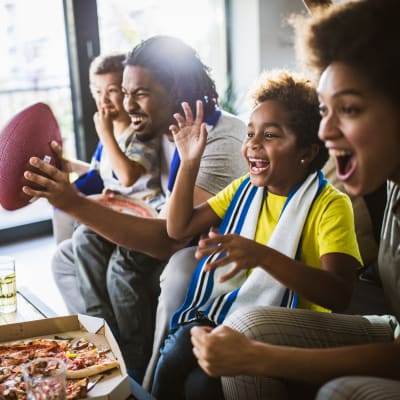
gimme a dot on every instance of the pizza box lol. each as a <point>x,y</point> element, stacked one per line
<point>115,385</point>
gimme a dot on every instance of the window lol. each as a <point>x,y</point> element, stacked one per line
<point>200,24</point>
<point>34,68</point>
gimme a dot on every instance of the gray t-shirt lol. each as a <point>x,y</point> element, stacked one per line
<point>389,249</point>
<point>222,160</point>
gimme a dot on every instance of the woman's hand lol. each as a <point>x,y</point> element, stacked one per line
<point>241,252</point>
<point>190,135</point>
<point>217,352</point>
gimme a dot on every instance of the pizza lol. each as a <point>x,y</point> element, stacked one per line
<point>127,205</point>
<point>82,359</point>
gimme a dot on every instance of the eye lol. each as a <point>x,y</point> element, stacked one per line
<point>350,110</point>
<point>268,135</point>
<point>250,135</point>
<point>141,94</point>
<point>323,110</point>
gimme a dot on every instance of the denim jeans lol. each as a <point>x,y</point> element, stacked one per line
<point>121,286</point>
<point>178,375</point>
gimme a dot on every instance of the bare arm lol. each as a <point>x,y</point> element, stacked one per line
<point>145,235</point>
<point>216,351</point>
<point>331,286</point>
<point>126,170</point>
<point>79,167</point>
<point>183,219</point>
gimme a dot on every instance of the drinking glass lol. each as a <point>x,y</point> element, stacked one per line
<point>45,379</point>
<point>8,286</point>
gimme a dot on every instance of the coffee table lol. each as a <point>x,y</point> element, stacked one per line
<point>29,308</point>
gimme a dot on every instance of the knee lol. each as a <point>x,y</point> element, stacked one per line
<point>267,324</point>
<point>80,234</point>
<point>247,319</point>
<point>359,388</point>
<point>61,257</point>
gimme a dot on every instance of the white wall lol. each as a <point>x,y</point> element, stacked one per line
<point>261,39</point>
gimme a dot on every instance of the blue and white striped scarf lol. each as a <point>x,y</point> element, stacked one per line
<point>207,297</point>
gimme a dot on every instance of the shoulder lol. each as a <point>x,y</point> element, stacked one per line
<point>229,125</point>
<point>332,201</point>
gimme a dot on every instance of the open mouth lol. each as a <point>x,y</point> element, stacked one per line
<point>345,163</point>
<point>258,165</point>
<point>138,121</point>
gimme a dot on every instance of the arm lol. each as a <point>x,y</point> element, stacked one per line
<point>126,170</point>
<point>190,138</point>
<point>146,235</point>
<point>331,286</point>
<point>216,351</point>
<point>79,167</point>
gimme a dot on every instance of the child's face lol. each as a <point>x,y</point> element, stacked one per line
<point>271,151</point>
<point>361,129</point>
<point>107,93</point>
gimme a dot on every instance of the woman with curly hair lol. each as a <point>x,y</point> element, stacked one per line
<point>268,353</point>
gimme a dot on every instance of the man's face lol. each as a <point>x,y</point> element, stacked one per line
<point>147,102</point>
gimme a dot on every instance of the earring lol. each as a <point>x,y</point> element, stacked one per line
<point>302,161</point>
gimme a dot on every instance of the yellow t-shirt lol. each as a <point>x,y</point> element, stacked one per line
<point>329,227</point>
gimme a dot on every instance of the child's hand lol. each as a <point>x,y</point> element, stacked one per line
<point>103,121</point>
<point>241,252</point>
<point>190,135</point>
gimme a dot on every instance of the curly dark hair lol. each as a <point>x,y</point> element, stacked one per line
<point>104,64</point>
<point>300,99</point>
<point>178,68</point>
<point>363,34</point>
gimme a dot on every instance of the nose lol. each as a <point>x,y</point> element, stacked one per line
<point>130,104</point>
<point>329,128</point>
<point>254,142</point>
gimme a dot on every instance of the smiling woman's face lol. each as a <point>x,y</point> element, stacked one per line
<point>361,128</point>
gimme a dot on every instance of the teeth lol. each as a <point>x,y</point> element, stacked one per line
<point>339,153</point>
<point>258,160</point>
<point>137,119</point>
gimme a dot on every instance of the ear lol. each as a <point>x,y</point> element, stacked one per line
<point>310,153</point>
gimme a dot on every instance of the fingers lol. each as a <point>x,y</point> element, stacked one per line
<point>188,112</point>
<point>199,111</point>
<point>61,162</point>
<point>52,174</point>
<point>174,129</point>
<point>188,119</point>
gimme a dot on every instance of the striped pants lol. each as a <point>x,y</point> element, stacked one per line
<point>304,328</point>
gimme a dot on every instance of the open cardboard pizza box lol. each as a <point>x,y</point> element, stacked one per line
<point>115,385</point>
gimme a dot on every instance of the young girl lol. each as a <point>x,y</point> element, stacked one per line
<point>286,236</point>
<point>353,47</point>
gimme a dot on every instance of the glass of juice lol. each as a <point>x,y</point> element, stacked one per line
<point>8,286</point>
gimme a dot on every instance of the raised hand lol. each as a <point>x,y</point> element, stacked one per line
<point>241,252</point>
<point>54,183</point>
<point>190,135</point>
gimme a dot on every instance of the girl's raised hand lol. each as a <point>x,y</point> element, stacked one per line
<point>190,135</point>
